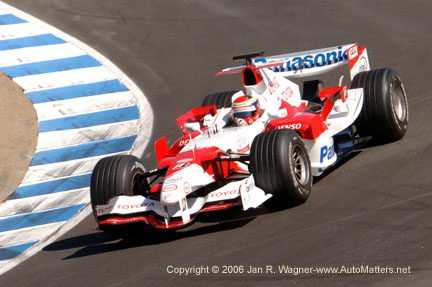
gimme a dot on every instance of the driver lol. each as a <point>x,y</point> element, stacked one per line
<point>245,110</point>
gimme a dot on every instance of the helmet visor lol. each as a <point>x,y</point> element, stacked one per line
<point>244,115</point>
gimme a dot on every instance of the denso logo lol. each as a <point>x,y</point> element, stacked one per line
<point>291,126</point>
<point>326,153</point>
<point>309,61</point>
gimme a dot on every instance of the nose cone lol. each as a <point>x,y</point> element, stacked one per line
<point>172,193</point>
<point>179,183</point>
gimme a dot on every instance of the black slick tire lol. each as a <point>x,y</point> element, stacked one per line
<point>114,176</point>
<point>384,114</point>
<point>280,165</point>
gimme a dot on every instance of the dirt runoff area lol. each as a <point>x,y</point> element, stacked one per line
<point>18,135</point>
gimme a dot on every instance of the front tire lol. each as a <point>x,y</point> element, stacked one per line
<point>114,176</point>
<point>384,115</point>
<point>280,165</point>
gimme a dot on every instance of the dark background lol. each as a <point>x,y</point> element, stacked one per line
<point>373,210</point>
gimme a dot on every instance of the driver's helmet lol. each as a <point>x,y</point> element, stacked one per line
<point>245,110</point>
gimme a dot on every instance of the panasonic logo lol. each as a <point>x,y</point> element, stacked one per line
<point>308,61</point>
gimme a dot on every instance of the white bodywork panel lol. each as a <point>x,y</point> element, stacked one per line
<point>321,151</point>
<point>344,114</point>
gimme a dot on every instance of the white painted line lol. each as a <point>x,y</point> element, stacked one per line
<point>39,54</point>
<point>44,202</point>
<point>62,169</point>
<point>77,106</point>
<point>42,181</point>
<point>57,139</point>
<point>21,30</point>
<point>65,78</point>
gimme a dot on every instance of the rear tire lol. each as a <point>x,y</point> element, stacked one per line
<point>221,99</point>
<point>384,115</point>
<point>115,176</point>
<point>280,165</point>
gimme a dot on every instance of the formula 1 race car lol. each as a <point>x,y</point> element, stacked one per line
<point>218,163</point>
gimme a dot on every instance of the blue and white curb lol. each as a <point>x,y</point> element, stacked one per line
<point>87,109</point>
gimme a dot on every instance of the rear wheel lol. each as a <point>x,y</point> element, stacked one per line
<point>221,99</point>
<point>384,115</point>
<point>115,176</point>
<point>280,165</point>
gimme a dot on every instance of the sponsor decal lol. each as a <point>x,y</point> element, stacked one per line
<point>184,142</point>
<point>353,52</point>
<point>107,209</point>
<point>326,153</point>
<point>273,85</point>
<point>362,64</point>
<point>169,187</point>
<point>242,145</point>
<point>134,206</point>
<point>309,61</point>
<point>296,126</point>
<point>287,94</point>
<point>244,150</point>
<point>219,194</point>
<point>173,179</point>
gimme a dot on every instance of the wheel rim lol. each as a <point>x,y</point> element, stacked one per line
<point>399,103</point>
<point>300,166</point>
<point>136,186</point>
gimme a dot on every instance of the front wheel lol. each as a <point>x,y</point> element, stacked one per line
<point>114,176</point>
<point>280,165</point>
<point>384,115</point>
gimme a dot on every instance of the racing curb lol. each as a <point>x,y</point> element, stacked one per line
<point>138,142</point>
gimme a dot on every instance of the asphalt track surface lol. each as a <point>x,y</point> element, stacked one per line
<point>375,209</point>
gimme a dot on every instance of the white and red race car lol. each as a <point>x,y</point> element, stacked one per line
<point>216,165</point>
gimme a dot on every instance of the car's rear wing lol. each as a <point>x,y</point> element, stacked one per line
<point>309,63</point>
